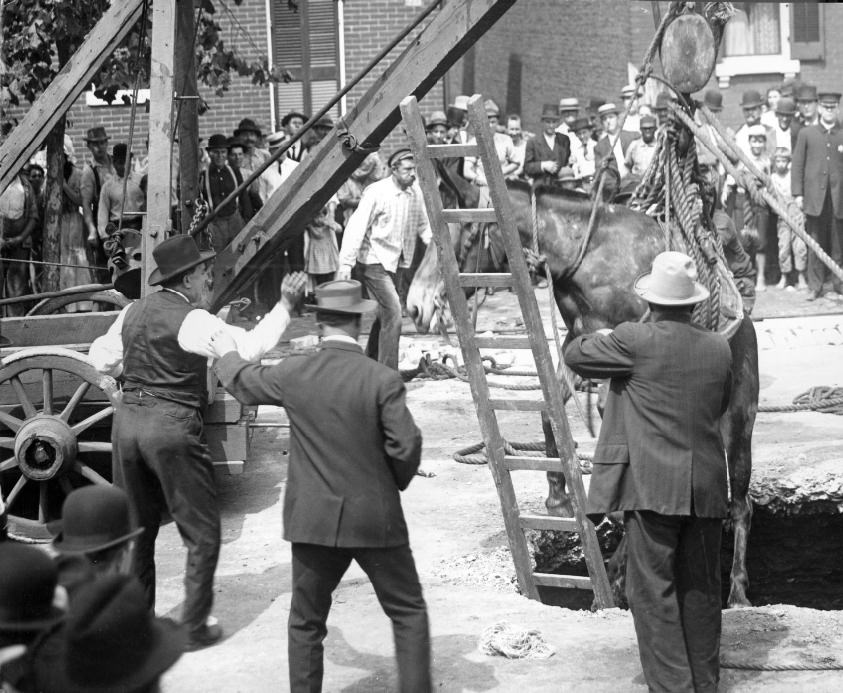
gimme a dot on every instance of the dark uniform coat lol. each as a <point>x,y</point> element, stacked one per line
<point>538,151</point>
<point>817,168</point>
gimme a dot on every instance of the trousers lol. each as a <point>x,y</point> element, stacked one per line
<point>317,570</point>
<point>385,334</point>
<point>673,589</point>
<point>827,231</point>
<point>162,463</point>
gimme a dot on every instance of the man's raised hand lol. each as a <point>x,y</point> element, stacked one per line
<point>292,287</point>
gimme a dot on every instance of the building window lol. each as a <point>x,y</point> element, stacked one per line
<point>305,41</point>
<point>757,41</point>
<point>808,37</point>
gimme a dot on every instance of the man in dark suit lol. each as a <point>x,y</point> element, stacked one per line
<point>660,460</point>
<point>547,154</point>
<point>816,179</point>
<point>608,113</point>
<point>353,447</point>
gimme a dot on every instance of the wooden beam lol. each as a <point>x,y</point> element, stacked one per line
<point>159,188</point>
<point>74,78</point>
<point>187,108</point>
<point>49,330</point>
<point>455,28</point>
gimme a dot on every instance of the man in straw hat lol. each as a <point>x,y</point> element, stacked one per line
<point>342,500</point>
<point>161,344</point>
<point>660,461</point>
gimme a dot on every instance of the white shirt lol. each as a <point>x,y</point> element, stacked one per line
<point>194,337</point>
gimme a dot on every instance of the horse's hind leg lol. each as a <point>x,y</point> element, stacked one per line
<point>557,503</point>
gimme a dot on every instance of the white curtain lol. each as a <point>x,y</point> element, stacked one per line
<point>754,30</point>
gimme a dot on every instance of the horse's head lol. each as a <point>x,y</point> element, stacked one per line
<point>426,296</point>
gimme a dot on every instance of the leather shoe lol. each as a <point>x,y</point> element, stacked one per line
<point>813,296</point>
<point>204,636</point>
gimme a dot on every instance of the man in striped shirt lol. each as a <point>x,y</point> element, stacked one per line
<point>380,237</point>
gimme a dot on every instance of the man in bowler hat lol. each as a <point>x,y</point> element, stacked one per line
<point>161,344</point>
<point>548,153</point>
<point>660,461</point>
<point>354,447</point>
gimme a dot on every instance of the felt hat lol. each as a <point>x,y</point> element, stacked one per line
<point>437,118</point>
<point>491,108</point>
<point>342,296</point>
<point>248,125</point>
<point>607,109</point>
<point>28,579</point>
<point>175,255</point>
<point>455,116</point>
<point>461,102</point>
<point>662,101</point>
<point>568,104</point>
<point>275,139</point>
<point>218,141</point>
<point>671,282</point>
<point>285,121</point>
<point>110,642</point>
<point>234,142</point>
<point>93,518</point>
<point>648,121</point>
<point>751,99</point>
<point>713,98</point>
<point>829,98</point>
<point>782,153</point>
<point>582,123</point>
<point>595,102</point>
<point>550,112</point>
<point>806,92</point>
<point>399,155</point>
<point>786,106</point>
<point>97,134</point>
<point>756,131</point>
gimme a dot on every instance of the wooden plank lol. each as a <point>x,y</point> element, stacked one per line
<point>227,441</point>
<point>481,279</point>
<point>535,464</point>
<point>451,31</point>
<point>445,151</point>
<point>503,341</point>
<point>518,404</point>
<point>470,216</point>
<point>566,581</point>
<point>74,78</point>
<point>226,409</point>
<point>52,330</point>
<point>551,522</point>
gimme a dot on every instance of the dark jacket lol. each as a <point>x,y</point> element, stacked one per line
<point>660,447</point>
<point>538,151</point>
<point>353,442</point>
<point>817,168</point>
<point>602,148</point>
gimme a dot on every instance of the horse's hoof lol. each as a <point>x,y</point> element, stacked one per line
<point>560,508</point>
<point>737,599</point>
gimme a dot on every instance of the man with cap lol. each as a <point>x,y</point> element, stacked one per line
<point>549,152</point>
<point>160,346</point>
<point>817,184</point>
<point>608,113</point>
<point>94,175</point>
<point>569,109</point>
<point>641,150</point>
<point>342,500</point>
<point>660,461</point>
<point>380,237</point>
<point>807,103</point>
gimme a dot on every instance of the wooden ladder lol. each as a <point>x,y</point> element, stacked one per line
<point>500,463</point>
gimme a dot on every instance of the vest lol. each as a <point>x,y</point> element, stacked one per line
<point>153,361</point>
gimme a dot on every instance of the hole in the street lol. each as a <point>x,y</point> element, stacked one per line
<point>791,559</point>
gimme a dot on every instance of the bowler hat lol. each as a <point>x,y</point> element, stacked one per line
<point>751,99</point>
<point>713,99</point>
<point>829,98</point>
<point>607,109</point>
<point>93,518</point>
<point>218,141</point>
<point>176,255</point>
<point>671,282</point>
<point>582,123</point>
<point>110,642</point>
<point>342,296</point>
<point>806,92</point>
<point>28,579</point>
<point>550,112</point>
<point>437,118</point>
<point>97,134</point>
<point>248,125</point>
<point>285,121</point>
<point>569,104</point>
<point>786,106</point>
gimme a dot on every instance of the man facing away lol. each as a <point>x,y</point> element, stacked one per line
<point>161,344</point>
<point>660,460</point>
<point>353,447</point>
<point>380,237</point>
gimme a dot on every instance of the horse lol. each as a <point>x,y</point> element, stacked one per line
<point>597,293</point>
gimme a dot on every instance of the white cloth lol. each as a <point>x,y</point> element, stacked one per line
<point>194,336</point>
<point>13,200</point>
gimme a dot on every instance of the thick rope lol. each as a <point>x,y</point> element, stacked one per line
<point>537,448</point>
<point>512,643</point>
<point>831,666</point>
<point>823,399</point>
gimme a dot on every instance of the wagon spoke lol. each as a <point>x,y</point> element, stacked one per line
<point>93,446</point>
<point>5,465</point>
<point>90,474</point>
<point>13,494</point>
<point>7,442</point>
<point>81,391</point>
<point>12,422</point>
<point>92,419</point>
<point>47,383</point>
<point>26,403</point>
<point>42,502</point>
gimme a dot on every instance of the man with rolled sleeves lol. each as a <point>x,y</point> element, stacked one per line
<point>817,187</point>
<point>660,461</point>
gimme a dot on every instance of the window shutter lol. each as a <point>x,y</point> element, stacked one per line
<point>806,29</point>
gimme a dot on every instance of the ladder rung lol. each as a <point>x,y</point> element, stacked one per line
<point>470,216</point>
<point>518,404</point>
<point>481,279</point>
<point>570,581</point>
<point>444,151</point>
<point>557,524</point>
<point>535,464</point>
<point>503,341</point>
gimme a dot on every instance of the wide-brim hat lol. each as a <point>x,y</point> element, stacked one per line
<point>93,518</point>
<point>293,114</point>
<point>97,134</point>
<point>751,99</point>
<point>28,579</point>
<point>176,255</point>
<point>671,282</point>
<point>786,106</point>
<point>248,125</point>
<point>342,296</point>
<point>110,642</point>
<point>550,111</point>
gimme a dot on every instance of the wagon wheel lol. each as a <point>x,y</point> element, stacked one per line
<point>109,297</point>
<point>55,422</point>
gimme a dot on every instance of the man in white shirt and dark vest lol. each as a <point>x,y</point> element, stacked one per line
<point>161,344</point>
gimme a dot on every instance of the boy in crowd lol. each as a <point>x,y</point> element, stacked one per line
<point>791,246</point>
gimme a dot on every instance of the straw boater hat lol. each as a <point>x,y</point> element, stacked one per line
<point>93,518</point>
<point>606,109</point>
<point>343,296</point>
<point>275,139</point>
<point>176,255</point>
<point>671,282</point>
<point>568,104</point>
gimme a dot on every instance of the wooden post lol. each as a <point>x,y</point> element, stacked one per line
<point>160,133</point>
<point>187,106</point>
